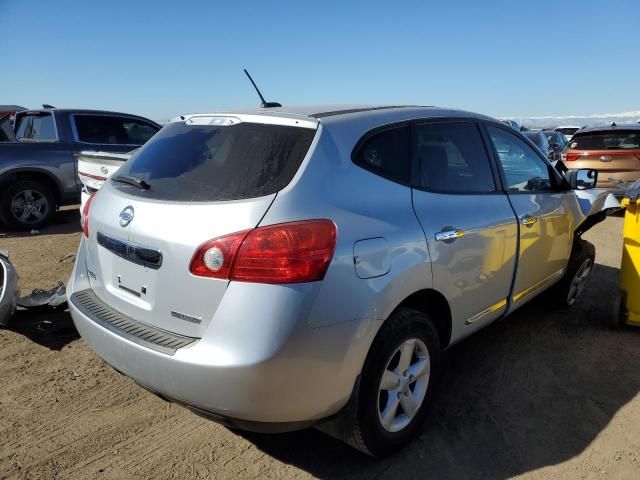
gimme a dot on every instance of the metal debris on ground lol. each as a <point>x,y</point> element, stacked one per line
<point>39,298</point>
<point>69,256</point>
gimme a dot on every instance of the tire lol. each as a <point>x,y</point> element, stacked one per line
<point>619,310</point>
<point>581,262</point>
<point>30,194</point>
<point>368,432</point>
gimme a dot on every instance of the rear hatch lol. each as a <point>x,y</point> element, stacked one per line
<point>207,177</point>
<point>614,153</point>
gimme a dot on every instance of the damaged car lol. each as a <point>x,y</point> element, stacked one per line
<point>309,265</point>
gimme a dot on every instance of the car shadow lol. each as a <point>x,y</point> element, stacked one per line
<point>50,328</point>
<point>530,391</point>
<point>66,220</point>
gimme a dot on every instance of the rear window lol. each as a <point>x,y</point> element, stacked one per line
<point>615,140</point>
<point>209,163</point>
<point>387,154</point>
<point>36,127</point>
<point>112,130</point>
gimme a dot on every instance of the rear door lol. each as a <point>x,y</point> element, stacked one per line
<point>541,205</point>
<point>469,224</point>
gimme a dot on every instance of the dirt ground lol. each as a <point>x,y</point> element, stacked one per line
<point>545,394</point>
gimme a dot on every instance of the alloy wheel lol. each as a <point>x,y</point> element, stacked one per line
<point>579,281</point>
<point>404,384</point>
<point>29,206</point>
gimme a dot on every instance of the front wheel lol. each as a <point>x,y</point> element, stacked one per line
<point>397,383</point>
<point>577,274</point>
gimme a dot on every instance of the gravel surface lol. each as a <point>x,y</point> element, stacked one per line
<point>544,394</point>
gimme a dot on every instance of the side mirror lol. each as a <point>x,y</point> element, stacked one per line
<point>582,179</point>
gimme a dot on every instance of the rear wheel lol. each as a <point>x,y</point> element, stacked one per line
<point>27,204</point>
<point>396,384</point>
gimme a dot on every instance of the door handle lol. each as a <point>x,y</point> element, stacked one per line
<point>449,236</point>
<point>528,220</point>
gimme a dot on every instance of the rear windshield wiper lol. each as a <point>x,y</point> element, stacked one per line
<point>135,181</point>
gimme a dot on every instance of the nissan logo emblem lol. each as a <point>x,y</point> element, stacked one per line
<point>126,216</point>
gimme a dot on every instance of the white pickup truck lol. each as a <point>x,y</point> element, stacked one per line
<point>95,167</point>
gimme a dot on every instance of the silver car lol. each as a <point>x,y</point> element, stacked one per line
<point>279,268</point>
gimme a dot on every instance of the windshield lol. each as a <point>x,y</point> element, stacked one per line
<point>212,162</point>
<point>612,140</point>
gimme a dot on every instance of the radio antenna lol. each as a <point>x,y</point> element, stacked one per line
<point>264,103</point>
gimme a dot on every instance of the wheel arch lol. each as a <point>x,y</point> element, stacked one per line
<point>35,174</point>
<point>435,305</point>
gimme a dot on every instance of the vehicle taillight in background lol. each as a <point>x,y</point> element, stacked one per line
<point>84,218</point>
<point>570,157</point>
<point>293,252</point>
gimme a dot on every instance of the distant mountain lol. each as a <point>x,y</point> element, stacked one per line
<point>578,120</point>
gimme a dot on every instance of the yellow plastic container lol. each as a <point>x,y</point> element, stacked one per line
<point>630,267</point>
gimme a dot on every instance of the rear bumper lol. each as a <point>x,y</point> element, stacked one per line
<point>260,379</point>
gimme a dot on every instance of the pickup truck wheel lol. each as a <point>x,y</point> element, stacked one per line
<point>396,385</point>
<point>27,204</point>
<point>578,272</point>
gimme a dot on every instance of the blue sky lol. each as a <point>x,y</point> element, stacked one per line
<point>162,58</point>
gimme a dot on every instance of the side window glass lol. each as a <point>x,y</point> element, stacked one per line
<point>100,129</point>
<point>524,170</point>
<point>387,154</point>
<point>453,158</point>
<point>110,130</point>
<point>36,128</point>
<point>138,132</point>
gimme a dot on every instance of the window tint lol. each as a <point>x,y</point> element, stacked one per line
<point>614,140</point>
<point>38,127</point>
<point>110,130</point>
<point>6,132</point>
<point>388,154</point>
<point>453,158</point>
<point>210,162</point>
<point>524,170</point>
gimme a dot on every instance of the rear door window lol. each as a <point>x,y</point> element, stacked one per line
<point>36,127</point>
<point>614,140</point>
<point>387,153</point>
<point>112,130</point>
<point>213,162</point>
<point>453,158</point>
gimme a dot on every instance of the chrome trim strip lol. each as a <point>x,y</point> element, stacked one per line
<point>135,253</point>
<point>492,309</point>
<point>519,296</point>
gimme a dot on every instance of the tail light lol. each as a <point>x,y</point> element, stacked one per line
<point>572,157</point>
<point>84,218</point>
<point>293,252</point>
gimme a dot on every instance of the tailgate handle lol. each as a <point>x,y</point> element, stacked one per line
<point>528,220</point>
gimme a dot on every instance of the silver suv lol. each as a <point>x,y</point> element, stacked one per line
<point>278,268</point>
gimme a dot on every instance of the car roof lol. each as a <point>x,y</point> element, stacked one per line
<point>81,111</point>
<point>609,128</point>
<point>331,113</point>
